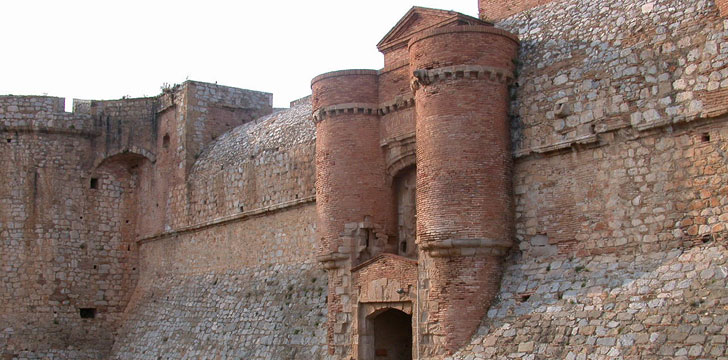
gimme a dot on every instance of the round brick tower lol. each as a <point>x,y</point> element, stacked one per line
<point>352,196</point>
<point>464,196</point>
<point>350,176</point>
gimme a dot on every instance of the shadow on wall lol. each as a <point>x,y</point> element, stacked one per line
<point>612,65</point>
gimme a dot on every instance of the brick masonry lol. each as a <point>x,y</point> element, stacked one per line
<point>202,235</point>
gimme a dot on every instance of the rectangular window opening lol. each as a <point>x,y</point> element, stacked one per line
<point>87,313</point>
<point>94,183</point>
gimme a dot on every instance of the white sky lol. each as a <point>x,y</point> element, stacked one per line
<point>108,49</point>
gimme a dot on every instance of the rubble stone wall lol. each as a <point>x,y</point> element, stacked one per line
<point>620,183</point>
<point>64,244</point>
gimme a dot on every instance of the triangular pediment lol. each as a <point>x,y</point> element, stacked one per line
<point>421,18</point>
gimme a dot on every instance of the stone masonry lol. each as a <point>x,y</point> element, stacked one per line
<point>549,180</point>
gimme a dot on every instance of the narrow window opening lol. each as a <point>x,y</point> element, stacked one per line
<point>165,141</point>
<point>87,313</point>
<point>94,183</point>
<point>403,247</point>
<point>10,140</point>
<point>523,297</point>
<point>706,137</point>
<point>94,267</point>
<point>242,208</point>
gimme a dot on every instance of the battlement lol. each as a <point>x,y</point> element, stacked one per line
<point>31,104</point>
<point>41,114</point>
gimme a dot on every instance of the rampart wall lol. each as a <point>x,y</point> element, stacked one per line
<point>240,280</point>
<point>620,172</point>
<point>620,145</point>
<point>65,245</point>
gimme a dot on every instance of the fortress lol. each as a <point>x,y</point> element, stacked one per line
<point>546,181</point>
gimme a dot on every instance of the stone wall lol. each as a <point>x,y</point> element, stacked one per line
<point>612,65</point>
<point>620,172</point>
<point>79,189</point>
<point>63,243</point>
<point>240,278</point>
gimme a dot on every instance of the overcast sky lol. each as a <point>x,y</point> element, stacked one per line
<point>108,49</point>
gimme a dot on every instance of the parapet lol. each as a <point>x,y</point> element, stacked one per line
<point>41,114</point>
<point>337,88</point>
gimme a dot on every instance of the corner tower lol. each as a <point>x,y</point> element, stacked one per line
<point>432,126</point>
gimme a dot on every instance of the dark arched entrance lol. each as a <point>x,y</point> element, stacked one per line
<point>392,335</point>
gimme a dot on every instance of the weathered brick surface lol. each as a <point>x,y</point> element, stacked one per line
<point>200,239</point>
<point>493,10</point>
<point>463,160</point>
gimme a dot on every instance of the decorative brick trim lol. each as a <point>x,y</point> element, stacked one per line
<point>462,29</point>
<point>398,103</point>
<point>343,109</point>
<point>466,247</point>
<point>425,77</point>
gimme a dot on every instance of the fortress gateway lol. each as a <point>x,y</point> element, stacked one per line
<point>549,181</point>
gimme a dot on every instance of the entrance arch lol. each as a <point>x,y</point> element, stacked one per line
<point>391,330</point>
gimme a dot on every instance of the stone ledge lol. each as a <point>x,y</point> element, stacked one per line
<point>227,219</point>
<point>636,132</point>
<point>466,247</point>
<point>50,130</point>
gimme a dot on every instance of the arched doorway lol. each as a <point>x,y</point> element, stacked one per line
<point>392,335</point>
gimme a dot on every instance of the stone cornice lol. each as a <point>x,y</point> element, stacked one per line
<point>466,247</point>
<point>424,77</point>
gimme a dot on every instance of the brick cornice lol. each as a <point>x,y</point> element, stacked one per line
<point>425,77</point>
<point>344,109</point>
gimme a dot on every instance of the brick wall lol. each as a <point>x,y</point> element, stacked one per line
<point>722,7</point>
<point>501,9</point>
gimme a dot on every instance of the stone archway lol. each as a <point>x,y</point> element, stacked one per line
<point>390,335</point>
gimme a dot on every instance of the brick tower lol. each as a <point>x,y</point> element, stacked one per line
<point>464,200</point>
<point>435,119</point>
